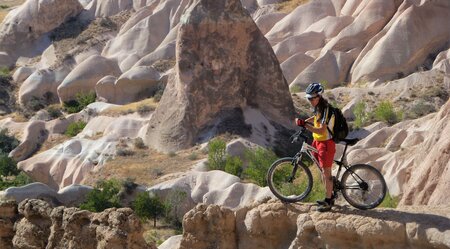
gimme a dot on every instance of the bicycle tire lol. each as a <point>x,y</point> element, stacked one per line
<point>285,189</point>
<point>355,193</point>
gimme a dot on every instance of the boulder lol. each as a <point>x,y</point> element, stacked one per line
<point>330,26</point>
<point>224,66</point>
<point>294,65</point>
<point>296,22</point>
<point>35,134</point>
<point>369,22</point>
<point>414,40</point>
<point>136,84</point>
<point>145,30</point>
<point>82,79</point>
<point>22,73</point>
<point>22,29</point>
<point>267,21</point>
<point>331,67</point>
<point>42,84</point>
<point>298,44</point>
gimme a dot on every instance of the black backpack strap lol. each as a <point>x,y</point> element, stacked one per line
<point>328,118</point>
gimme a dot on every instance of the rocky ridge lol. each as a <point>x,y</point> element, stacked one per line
<point>35,224</point>
<point>276,225</point>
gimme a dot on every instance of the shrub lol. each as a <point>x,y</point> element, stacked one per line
<point>124,152</point>
<point>81,101</point>
<point>74,128</point>
<point>361,115</point>
<point>159,91</point>
<point>420,109</point>
<point>139,143</point>
<point>54,112</point>
<point>103,196</point>
<point>259,161</point>
<point>216,154</point>
<point>7,142</point>
<point>8,166</point>
<point>389,201</point>
<point>147,207</point>
<point>193,156</point>
<point>233,165</point>
<point>10,176</point>
<point>385,112</point>
<point>143,109</point>
<point>4,72</point>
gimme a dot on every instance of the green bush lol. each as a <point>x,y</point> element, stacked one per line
<point>259,161</point>
<point>74,128</point>
<point>80,102</point>
<point>233,165</point>
<point>5,72</point>
<point>143,109</point>
<point>7,142</point>
<point>103,196</point>
<point>216,154</point>
<point>147,207</point>
<point>10,176</point>
<point>54,112</point>
<point>361,115</point>
<point>8,166</point>
<point>385,112</point>
<point>389,201</point>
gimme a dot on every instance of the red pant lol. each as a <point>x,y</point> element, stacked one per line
<point>326,149</point>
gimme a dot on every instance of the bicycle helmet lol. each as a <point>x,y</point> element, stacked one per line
<point>313,90</point>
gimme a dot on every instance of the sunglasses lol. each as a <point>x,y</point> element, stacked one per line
<point>311,98</point>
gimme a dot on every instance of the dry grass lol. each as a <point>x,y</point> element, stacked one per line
<point>130,108</point>
<point>52,141</point>
<point>146,166</point>
<point>159,234</point>
<point>289,5</point>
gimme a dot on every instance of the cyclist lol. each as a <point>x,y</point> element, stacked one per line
<point>323,141</point>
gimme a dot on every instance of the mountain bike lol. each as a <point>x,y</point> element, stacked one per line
<point>290,179</point>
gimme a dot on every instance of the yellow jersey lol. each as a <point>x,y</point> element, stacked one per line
<point>326,118</point>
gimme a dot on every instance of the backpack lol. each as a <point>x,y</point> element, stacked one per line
<point>340,129</point>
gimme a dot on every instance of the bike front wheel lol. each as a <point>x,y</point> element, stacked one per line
<point>363,186</point>
<point>288,181</point>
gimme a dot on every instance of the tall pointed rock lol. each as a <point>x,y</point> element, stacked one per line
<point>226,79</point>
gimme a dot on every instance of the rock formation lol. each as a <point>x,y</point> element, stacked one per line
<point>38,225</point>
<point>22,33</point>
<point>274,225</point>
<point>224,67</point>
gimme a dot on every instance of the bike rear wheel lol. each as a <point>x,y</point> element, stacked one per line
<point>289,182</point>
<point>363,186</point>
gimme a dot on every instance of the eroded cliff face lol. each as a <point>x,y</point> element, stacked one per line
<point>275,225</point>
<point>35,224</point>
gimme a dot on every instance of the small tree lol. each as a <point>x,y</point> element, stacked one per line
<point>173,203</point>
<point>385,112</point>
<point>147,207</point>
<point>103,196</point>
<point>361,115</point>
<point>7,166</point>
<point>216,154</point>
<point>233,165</point>
<point>74,128</point>
<point>7,142</point>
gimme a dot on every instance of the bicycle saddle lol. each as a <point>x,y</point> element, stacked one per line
<point>350,142</point>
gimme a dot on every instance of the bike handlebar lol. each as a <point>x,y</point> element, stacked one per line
<point>294,138</point>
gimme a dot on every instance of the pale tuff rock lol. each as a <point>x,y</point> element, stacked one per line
<point>296,22</point>
<point>133,85</point>
<point>82,78</point>
<point>23,27</point>
<point>212,187</point>
<point>267,21</point>
<point>68,163</point>
<point>224,65</point>
<point>289,46</point>
<point>41,83</point>
<point>41,226</point>
<point>274,225</point>
<point>35,134</point>
<point>412,39</point>
<point>294,65</point>
<point>22,73</point>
